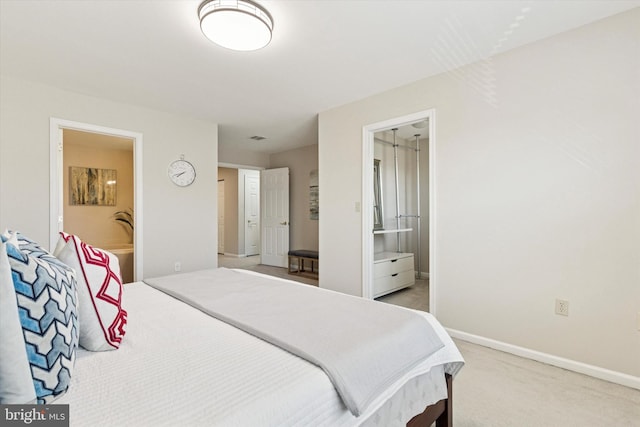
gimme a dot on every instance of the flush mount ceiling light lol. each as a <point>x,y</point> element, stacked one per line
<point>236,24</point>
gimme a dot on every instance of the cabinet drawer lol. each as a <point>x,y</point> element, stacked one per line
<point>403,264</point>
<point>403,279</point>
<point>389,267</point>
<point>384,285</point>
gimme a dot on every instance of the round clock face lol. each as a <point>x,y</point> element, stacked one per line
<point>182,173</point>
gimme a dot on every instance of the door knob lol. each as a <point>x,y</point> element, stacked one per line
<point>283,223</point>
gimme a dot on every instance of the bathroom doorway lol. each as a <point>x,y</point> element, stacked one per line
<point>108,222</point>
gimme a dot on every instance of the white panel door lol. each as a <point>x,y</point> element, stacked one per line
<point>221,217</point>
<point>274,190</point>
<point>252,214</point>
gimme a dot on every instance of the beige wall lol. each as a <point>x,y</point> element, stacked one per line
<point>96,224</point>
<point>179,223</point>
<point>537,169</point>
<point>303,232</point>
<point>230,177</point>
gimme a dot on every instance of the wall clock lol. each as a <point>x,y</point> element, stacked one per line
<point>181,172</point>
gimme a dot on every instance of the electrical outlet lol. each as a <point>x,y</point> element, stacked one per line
<point>562,307</point>
<point>177,266</point>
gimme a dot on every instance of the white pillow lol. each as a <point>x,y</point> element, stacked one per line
<point>102,319</point>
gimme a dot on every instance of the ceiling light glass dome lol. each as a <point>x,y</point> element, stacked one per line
<point>236,24</point>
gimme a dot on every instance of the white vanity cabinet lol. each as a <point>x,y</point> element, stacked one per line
<point>392,271</point>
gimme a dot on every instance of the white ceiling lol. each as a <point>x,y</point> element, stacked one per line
<point>324,53</point>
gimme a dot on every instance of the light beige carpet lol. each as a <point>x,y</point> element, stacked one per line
<point>499,389</point>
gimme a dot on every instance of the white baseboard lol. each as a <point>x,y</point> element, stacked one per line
<point>571,365</point>
<point>423,275</point>
<point>234,255</point>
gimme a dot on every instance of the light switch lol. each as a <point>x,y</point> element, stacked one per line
<point>357,206</point>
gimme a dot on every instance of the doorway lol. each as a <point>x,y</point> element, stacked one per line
<point>251,209</point>
<point>238,211</point>
<point>256,212</point>
<point>422,123</point>
<point>97,138</point>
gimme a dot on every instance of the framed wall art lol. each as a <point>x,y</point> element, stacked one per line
<point>92,186</point>
<point>313,195</point>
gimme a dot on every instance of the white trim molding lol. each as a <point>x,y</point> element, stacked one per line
<point>234,255</point>
<point>571,365</point>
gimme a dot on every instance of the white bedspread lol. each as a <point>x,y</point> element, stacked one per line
<point>178,366</point>
<point>362,345</point>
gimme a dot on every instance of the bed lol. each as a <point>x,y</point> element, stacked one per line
<point>177,365</point>
<point>211,347</point>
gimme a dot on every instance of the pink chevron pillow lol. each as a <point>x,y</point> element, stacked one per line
<point>101,317</point>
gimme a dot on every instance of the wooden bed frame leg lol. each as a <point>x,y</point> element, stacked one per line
<point>440,412</point>
<point>446,419</point>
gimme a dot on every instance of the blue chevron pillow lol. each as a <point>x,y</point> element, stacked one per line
<point>39,334</point>
<point>25,244</point>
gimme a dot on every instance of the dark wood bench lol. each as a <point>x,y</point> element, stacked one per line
<point>302,255</point>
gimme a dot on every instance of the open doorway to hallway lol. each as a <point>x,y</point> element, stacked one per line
<point>239,212</point>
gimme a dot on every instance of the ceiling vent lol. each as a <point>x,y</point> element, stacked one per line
<point>257,137</point>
